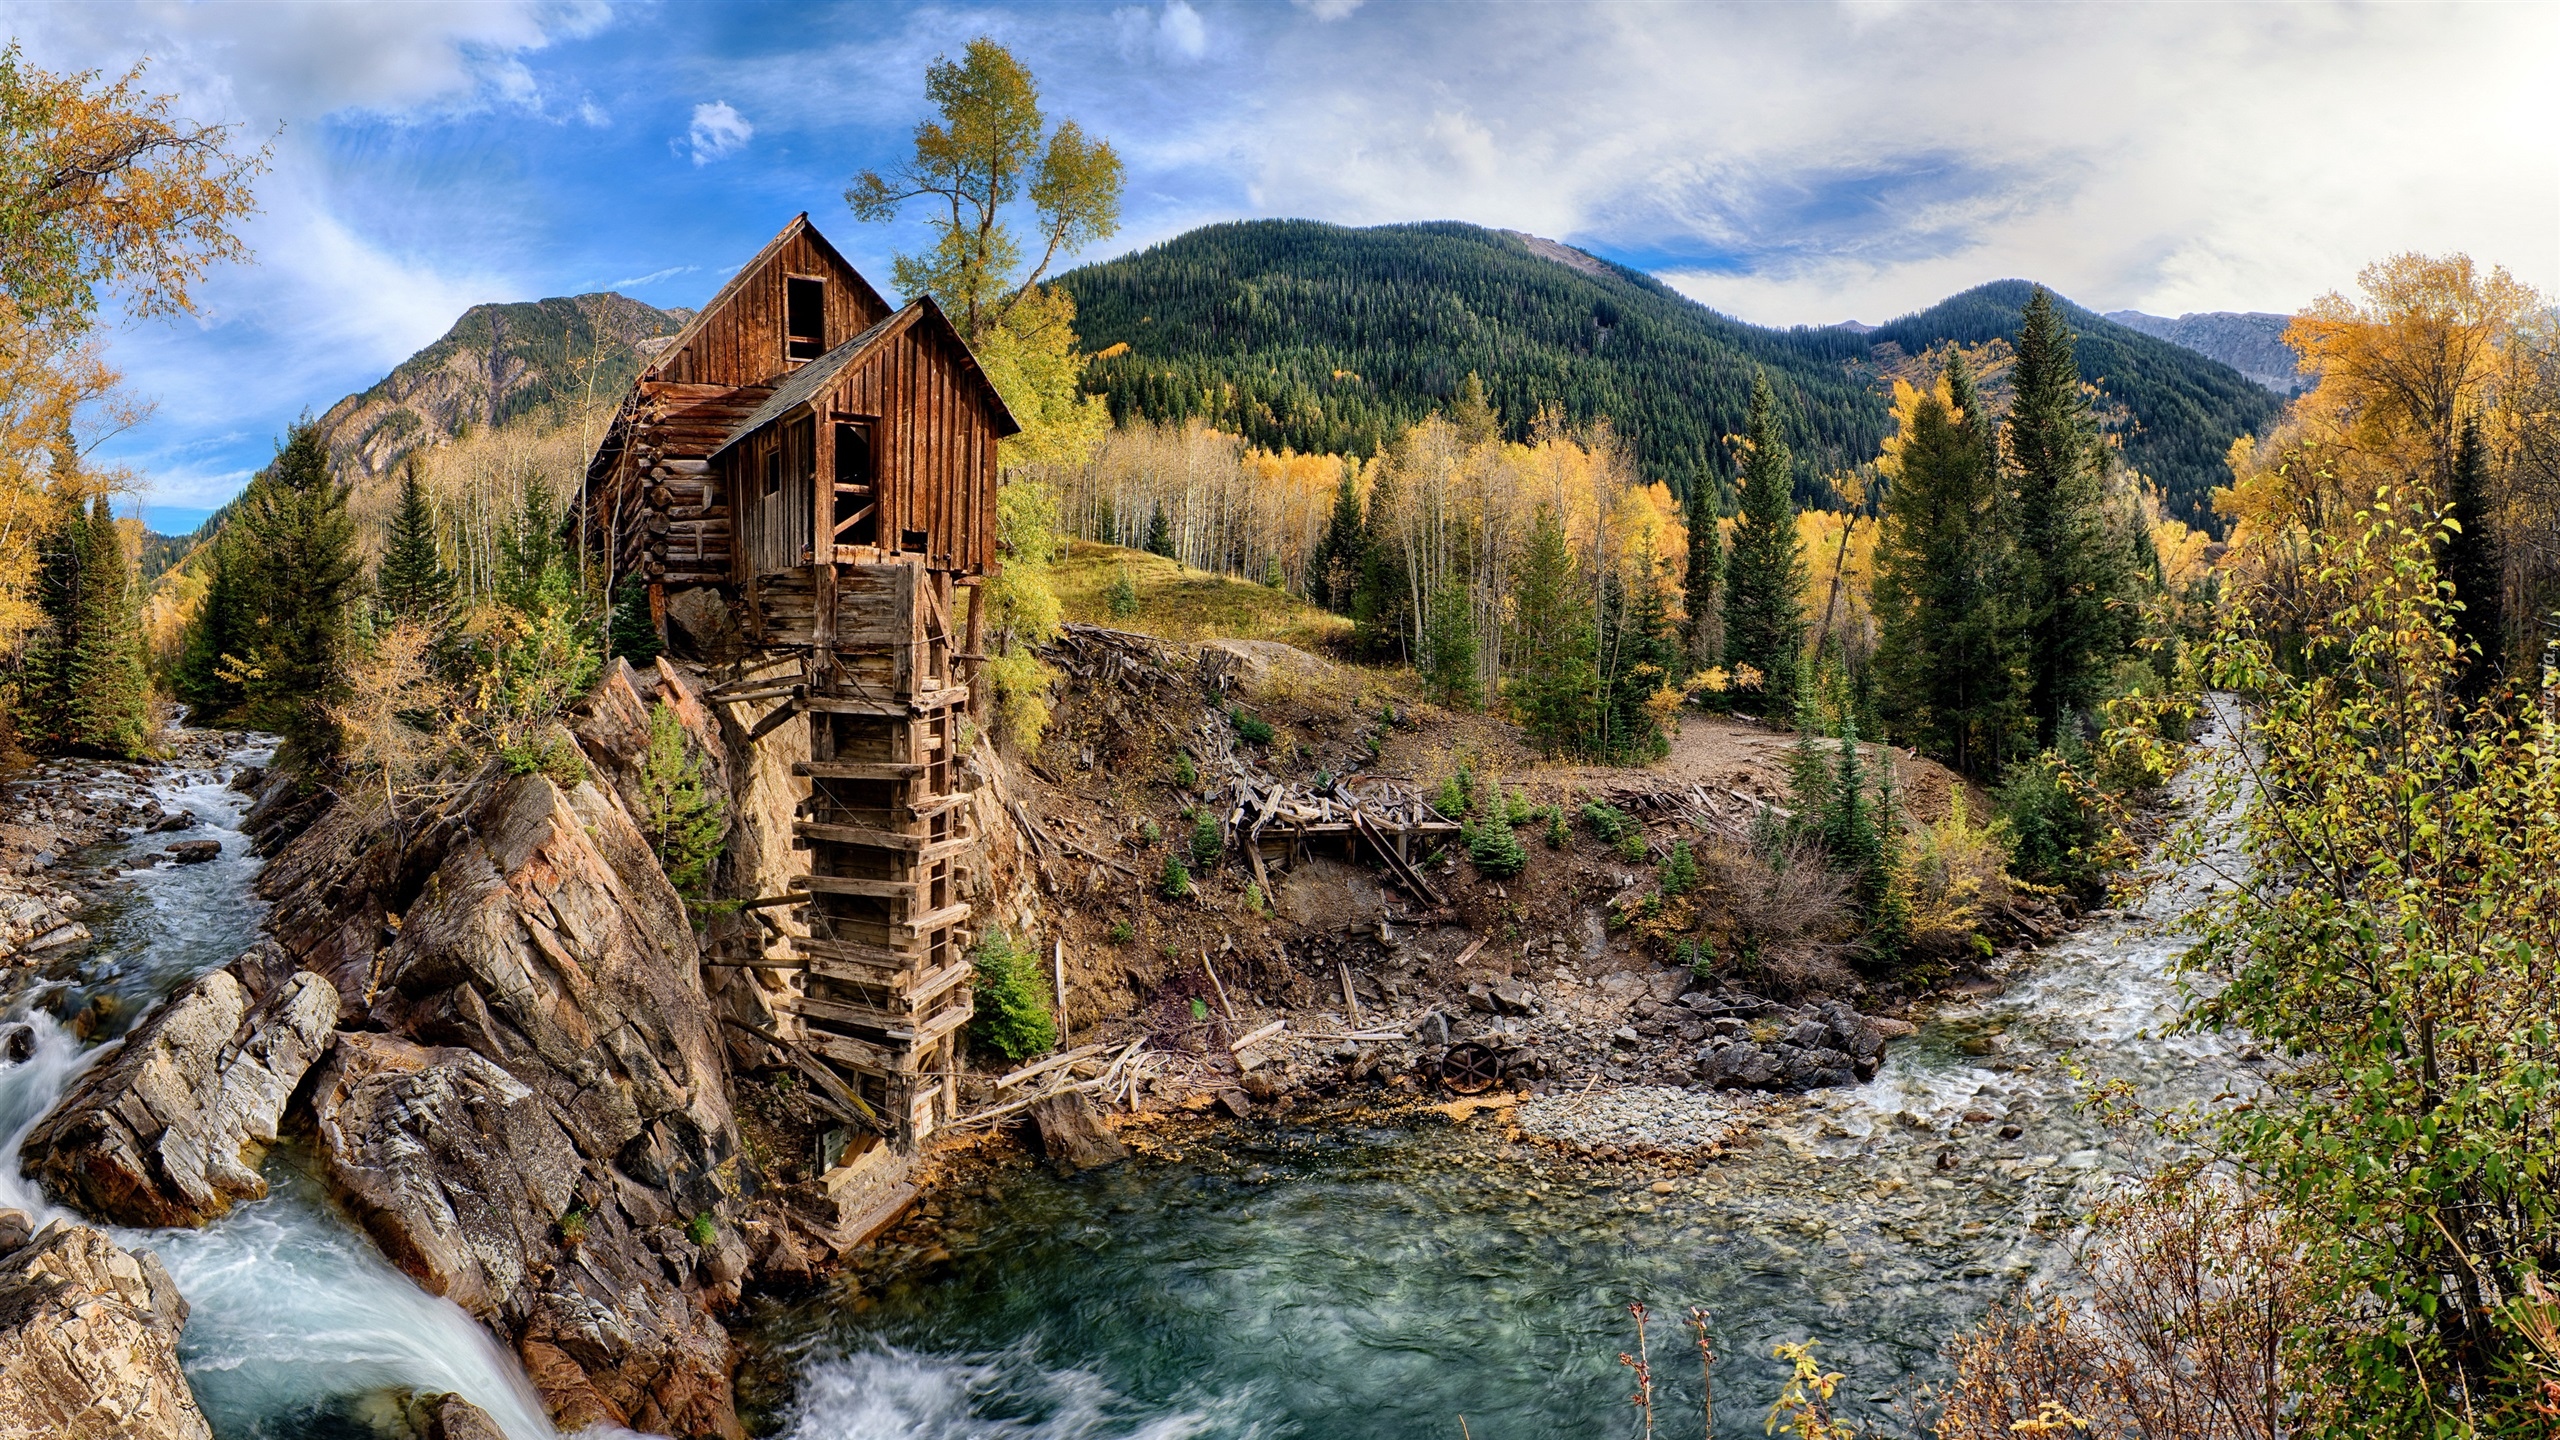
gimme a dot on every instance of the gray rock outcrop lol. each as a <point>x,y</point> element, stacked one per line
<point>535,1120</point>
<point>89,1340</point>
<point>167,1130</point>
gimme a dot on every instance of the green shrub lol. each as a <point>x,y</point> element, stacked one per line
<point>1495,848</point>
<point>1457,797</point>
<point>1557,835</point>
<point>1121,932</point>
<point>1679,870</point>
<point>703,1230</point>
<point>685,820</point>
<point>1176,881</point>
<point>555,755</point>
<point>1249,729</point>
<point>1153,832</point>
<point>1516,809</point>
<point>1185,774</point>
<point>1698,957</point>
<point>1631,846</point>
<point>1254,900</point>
<point>1208,842</point>
<point>2054,829</point>
<point>1607,821</point>
<point>1012,1016</point>
<point>1124,596</point>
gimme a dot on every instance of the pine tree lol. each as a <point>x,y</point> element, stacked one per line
<point>1704,577</point>
<point>1947,650</point>
<point>2473,563</point>
<point>1333,571</point>
<point>218,632</point>
<point>1551,682</point>
<point>633,634</point>
<point>1381,606</point>
<point>86,690</point>
<point>1449,648</point>
<point>1640,655</point>
<point>298,571</point>
<point>411,582</point>
<point>1472,415</point>
<point>1765,574</point>
<point>2072,575</point>
<point>1160,534</point>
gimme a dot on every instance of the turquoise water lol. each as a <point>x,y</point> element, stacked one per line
<point>1347,1284</point>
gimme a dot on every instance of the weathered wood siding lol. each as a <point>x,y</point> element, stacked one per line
<point>737,339</point>
<point>933,448</point>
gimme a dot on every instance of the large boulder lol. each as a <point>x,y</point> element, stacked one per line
<point>540,1048</point>
<point>89,1340</point>
<point>166,1131</point>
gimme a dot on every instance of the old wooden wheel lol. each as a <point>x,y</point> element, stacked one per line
<point>1470,1069</point>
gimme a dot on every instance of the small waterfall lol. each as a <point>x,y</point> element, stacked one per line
<point>299,1327</point>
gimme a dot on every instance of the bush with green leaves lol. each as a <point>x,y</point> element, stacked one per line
<point>1250,729</point>
<point>1175,882</point>
<point>1557,835</point>
<point>2055,827</point>
<point>1208,841</point>
<point>1121,932</point>
<point>1124,596</point>
<point>1457,797</point>
<point>1608,822</point>
<point>1012,1016</point>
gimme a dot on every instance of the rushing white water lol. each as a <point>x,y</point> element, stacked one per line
<point>298,1326</point>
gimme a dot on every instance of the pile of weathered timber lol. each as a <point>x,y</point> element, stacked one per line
<point>1390,817</point>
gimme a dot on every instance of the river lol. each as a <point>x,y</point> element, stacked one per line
<point>299,1330</point>
<point>1331,1283</point>
<point>1347,1283</point>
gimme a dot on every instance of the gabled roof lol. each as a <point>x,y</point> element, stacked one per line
<point>799,224</point>
<point>812,379</point>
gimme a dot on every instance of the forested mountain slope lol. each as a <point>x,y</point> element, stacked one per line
<point>1321,337</point>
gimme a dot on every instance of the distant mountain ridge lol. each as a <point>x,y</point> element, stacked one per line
<point>498,362</point>
<point>2249,341</point>
<point>1313,336</point>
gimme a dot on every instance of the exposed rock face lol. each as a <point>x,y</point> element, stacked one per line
<point>2249,341</point>
<point>89,1340</point>
<point>450,1417</point>
<point>538,1124</point>
<point>165,1131</point>
<point>1826,1044</point>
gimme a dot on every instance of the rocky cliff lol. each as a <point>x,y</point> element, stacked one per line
<point>2249,341</point>
<point>528,1103</point>
<point>496,363</point>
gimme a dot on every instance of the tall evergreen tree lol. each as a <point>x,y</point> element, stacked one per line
<point>2473,563</point>
<point>84,676</point>
<point>1333,571</point>
<point>1449,647</point>
<point>1765,574</point>
<point>298,575</point>
<point>1639,654</point>
<point>411,582</point>
<point>1160,534</point>
<point>218,633</point>
<point>1382,606</point>
<point>1703,580</point>
<point>1472,413</point>
<point>1551,681</point>
<point>2073,575</point>
<point>1947,649</point>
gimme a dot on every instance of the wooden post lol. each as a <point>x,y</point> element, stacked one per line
<point>1061,961</point>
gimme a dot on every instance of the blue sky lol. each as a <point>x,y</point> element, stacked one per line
<point>1788,163</point>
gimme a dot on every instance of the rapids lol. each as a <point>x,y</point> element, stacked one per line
<point>299,1329</point>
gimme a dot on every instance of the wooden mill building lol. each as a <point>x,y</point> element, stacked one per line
<point>825,467</point>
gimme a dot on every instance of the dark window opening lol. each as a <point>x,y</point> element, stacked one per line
<point>773,470</point>
<point>857,493</point>
<point>804,318</point>
<point>911,540</point>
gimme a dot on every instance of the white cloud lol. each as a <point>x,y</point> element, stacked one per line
<point>718,131</point>
<point>1175,33</point>
<point>1810,163</point>
<point>1328,9</point>
<point>653,277</point>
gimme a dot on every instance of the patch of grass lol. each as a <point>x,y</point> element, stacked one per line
<point>703,1230</point>
<point>1179,604</point>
